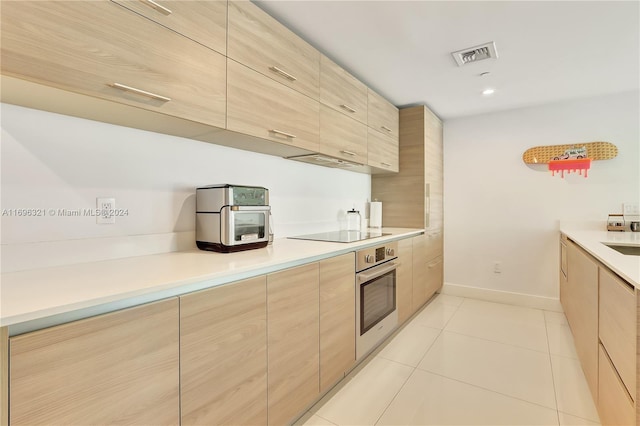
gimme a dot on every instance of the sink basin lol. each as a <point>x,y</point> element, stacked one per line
<point>628,250</point>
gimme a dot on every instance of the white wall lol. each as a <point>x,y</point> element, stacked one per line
<point>55,161</point>
<point>499,209</point>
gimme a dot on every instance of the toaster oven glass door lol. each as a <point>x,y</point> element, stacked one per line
<point>246,225</point>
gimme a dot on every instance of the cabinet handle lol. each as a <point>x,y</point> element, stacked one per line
<point>431,265</point>
<point>152,4</point>
<point>279,132</point>
<point>353,154</point>
<point>282,72</point>
<point>386,164</point>
<point>140,92</point>
<point>347,107</point>
<point>385,128</point>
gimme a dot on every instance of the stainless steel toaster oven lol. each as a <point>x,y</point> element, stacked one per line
<point>232,217</point>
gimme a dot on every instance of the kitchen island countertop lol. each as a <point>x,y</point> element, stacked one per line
<point>626,266</point>
<point>40,298</point>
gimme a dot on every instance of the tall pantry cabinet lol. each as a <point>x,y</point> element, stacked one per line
<point>414,197</point>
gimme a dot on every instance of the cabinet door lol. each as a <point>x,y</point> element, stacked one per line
<point>292,341</point>
<point>420,272</point>
<point>262,107</point>
<point>404,280</point>
<point>583,318</point>
<point>118,368</point>
<point>342,137</point>
<point>260,42</point>
<point>618,317</point>
<point>337,318</point>
<point>202,21</point>
<point>434,276</point>
<point>382,151</point>
<point>615,407</point>
<point>433,243</point>
<point>382,115</point>
<point>223,354</point>
<point>433,171</point>
<point>342,91</point>
<point>101,49</point>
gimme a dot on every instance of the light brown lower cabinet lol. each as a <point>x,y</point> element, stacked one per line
<point>419,265</point>
<point>404,280</point>
<point>223,354</point>
<point>582,315</point>
<point>434,276</point>
<point>117,368</point>
<point>337,318</point>
<point>615,407</point>
<point>292,341</point>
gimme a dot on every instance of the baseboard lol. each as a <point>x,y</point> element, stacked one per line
<point>509,298</point>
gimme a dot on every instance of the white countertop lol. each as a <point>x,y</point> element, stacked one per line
<point>42,297</point>
<point>627,266</point>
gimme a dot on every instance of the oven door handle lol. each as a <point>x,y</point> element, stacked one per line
<point>381,270</point>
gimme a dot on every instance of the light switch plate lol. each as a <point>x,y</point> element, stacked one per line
<point>630,209</point>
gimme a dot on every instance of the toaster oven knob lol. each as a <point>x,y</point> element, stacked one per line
<point>369,259</point>
<point>391,252</point>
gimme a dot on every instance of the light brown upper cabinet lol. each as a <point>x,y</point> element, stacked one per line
<point>258,41</point>
<point>104,50</point>
<point>262,107</point>
<point>117,368</point>
<point>342,137</point>
<point>382,115</point>
<point>342,91</point>
<point>202,21</point>
<point>420,174</point>
<point>293,334</point>
<point>337,318</point>
<point>382,151</point>
<point>223,354</point>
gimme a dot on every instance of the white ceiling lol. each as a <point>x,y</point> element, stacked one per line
<point>548,51</point>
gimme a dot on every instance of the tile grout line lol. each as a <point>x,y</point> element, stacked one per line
<point>553,377</point>
<point>413,368</point>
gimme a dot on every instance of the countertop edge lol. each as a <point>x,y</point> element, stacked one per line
<point>55,315</point>
<point>625,266</point>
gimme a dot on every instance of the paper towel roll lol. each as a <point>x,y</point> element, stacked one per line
<point>375,214</point>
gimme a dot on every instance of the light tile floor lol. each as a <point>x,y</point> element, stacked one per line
<point>466,362</point>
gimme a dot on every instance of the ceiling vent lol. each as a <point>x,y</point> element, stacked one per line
<point>475,54</point>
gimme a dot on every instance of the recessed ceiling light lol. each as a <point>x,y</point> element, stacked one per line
<point>488,91</point>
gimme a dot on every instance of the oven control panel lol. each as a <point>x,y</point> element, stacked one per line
<point>372,256</point>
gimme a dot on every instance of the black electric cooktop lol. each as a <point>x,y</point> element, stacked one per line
<point>341,236</point>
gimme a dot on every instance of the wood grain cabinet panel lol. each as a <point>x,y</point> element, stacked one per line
<point>617,327</point>
<point>337,318</point>
<point>382,115</point>
<point>420,174</point>
<point>404,280</point>
<point>101,49</point>
<point>118,368</point>
<point>342,91</point>
<point>583,316</point>
<point>382,151</point>
<point>342,137</point>
<point>258,41</point>
<point>204,21</point>
<point>615,407</point>
<point>262,107</point>
<point>223,354</point>
<point>292,341</point>
<point>420,272</point>
<point>434,276</point>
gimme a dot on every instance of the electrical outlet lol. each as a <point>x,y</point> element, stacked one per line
<point>105,210</point>
<point>497,267</point>
<point>630,209</point>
